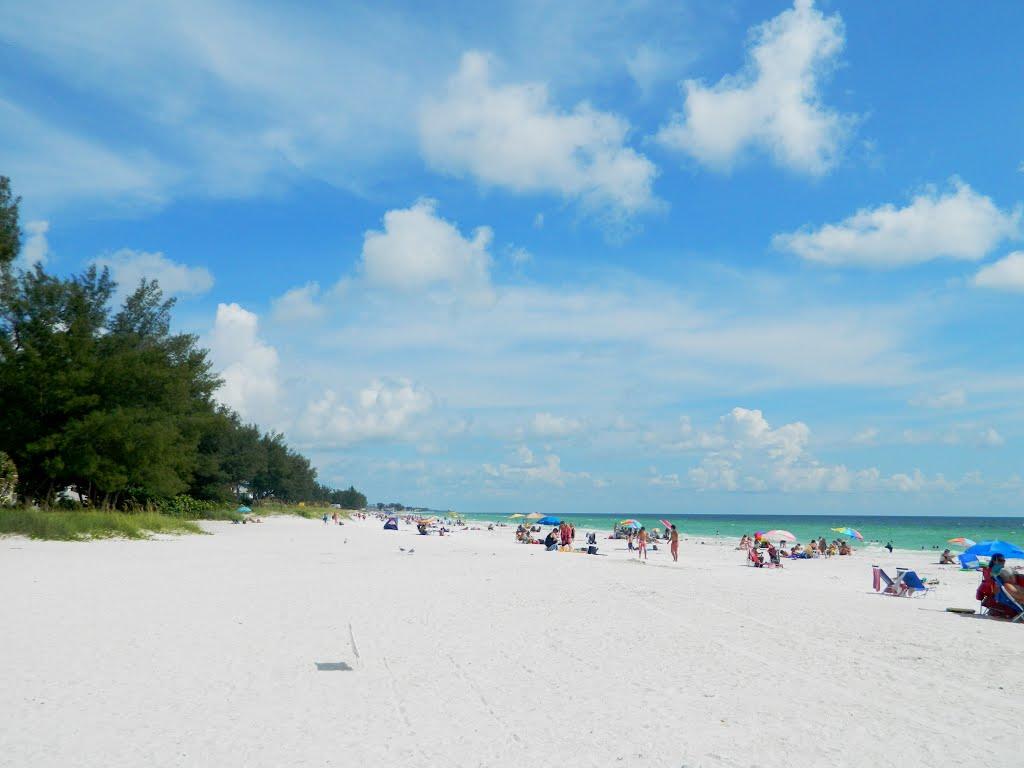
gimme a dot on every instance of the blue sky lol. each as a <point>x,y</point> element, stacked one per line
<point>575,256</point>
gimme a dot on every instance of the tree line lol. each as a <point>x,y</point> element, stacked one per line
<point>111,403</point>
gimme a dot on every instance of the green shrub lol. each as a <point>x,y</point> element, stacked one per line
<point>188,508</point>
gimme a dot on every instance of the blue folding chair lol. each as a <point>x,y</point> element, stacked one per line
<point>910,583</point>
<point>1003,598</point>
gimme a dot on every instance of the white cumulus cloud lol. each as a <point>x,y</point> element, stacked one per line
<point>36,248</point>
<point>247,364</point>
<point>512,136</point>
<point>128,267</point>
<point>753,456</point>
<point>549,472</point>
<point>419,250</point>
<point>299,304</point>
<point>381,410</point>
<point>957,224</point>
<point>1007,274</point>
<point>774,104</point>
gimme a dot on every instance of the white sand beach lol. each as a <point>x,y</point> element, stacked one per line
<point>295,644</point>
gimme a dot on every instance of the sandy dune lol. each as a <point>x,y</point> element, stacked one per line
<point>292,644</point>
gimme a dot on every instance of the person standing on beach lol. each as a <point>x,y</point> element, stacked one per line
<point>674,546</point>
<point>642,549</point>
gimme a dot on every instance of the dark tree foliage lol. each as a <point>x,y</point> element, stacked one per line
<point>10,235</point>
<point>116,405</point>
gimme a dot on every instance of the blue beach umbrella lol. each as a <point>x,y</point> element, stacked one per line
<point>243,509</point>
<point>549,520</point>
<point>989,548</point>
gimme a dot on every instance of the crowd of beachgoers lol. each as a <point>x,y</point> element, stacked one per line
<point>760,550</point>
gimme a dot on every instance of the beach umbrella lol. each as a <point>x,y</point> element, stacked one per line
<point>634,524</point>
<point>778,534</point>
<point>243,509</point>
<point>963,541</point>
<point>549,520</point>
<point>989,548</point>
<point>534,516</point>
<point>665,522</point>
<point>516,516</point>
<point>853,534</point>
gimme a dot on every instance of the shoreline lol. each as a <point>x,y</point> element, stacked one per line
<point>724,541</point>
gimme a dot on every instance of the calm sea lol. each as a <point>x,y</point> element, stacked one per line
<point>903,532</point>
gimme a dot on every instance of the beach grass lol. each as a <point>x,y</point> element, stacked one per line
<point>308,512</point>
<point>81,524</point>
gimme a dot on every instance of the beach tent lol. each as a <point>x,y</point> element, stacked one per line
<point>243,510</point>
<point>391,524</point>
<point>549,520</point>
<point>969,562</point>
<point>989,548</point>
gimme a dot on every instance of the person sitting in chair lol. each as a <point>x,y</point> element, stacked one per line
<point>1006,577</point>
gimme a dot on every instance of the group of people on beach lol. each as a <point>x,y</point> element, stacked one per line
<point>642,538</point>
<point>563,536</point>
<point>753,546</point>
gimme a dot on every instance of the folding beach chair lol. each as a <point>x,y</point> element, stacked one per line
<point>910,584</point>
<point>1003,598</point>
<point>996,601</point>
<point>879,577</point>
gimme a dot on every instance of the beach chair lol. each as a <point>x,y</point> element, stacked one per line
<point>912,586</point>
<point>755,558</point>
<point>880,577</point>
<point>996,601</point>
<point>1003,598</point>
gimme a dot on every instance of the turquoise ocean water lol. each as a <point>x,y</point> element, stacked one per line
<point>903,532</point>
